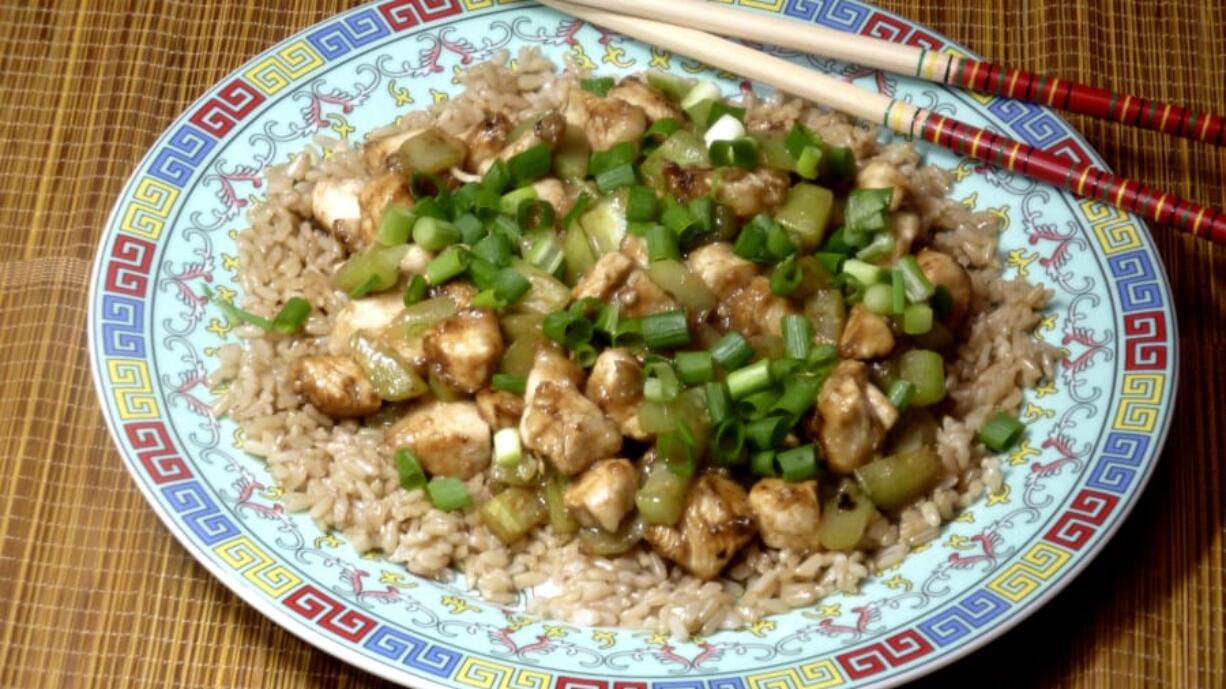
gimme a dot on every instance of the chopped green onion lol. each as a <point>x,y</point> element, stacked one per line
<point>841,161</point>
<point>431,208</point>
<point>641,204</point>
<point>703,210</point>
<point>778,244</point>
<point>878,299</point>
<point>396,224</point>
<point>780,369</point>
<point>482,272</point>
<point>471,229</point>
<point>823,354</point>
<point>661,129</point>
<point>740,152</point>
<point>498,177</point>
<point>798,139</point>
<point>786,277</point>
<point>567,328</point>
<point>728,443</point>
<point>881,246</point>
<point>546,253</point>
<point>666,330</point>
<point>534,214</point>
<point>494,248</point>
<point>917,319</point>
<point>510,285</point>
<point>900,393</point>
<point>585,354</point>
<point>698,92</point>
<point>416,291</point>
<point>629,333</point>
<point>408,469</point>
<point>505,382</point>
<point>732,351</point>
<point>695,367</point>
<point>615,178</point>
<point>422,185</point>
<point>448,493</point>
<point>1001,432</point>
<point>898,292</point>
<point>587,307</point>
<point>581,204</point>
<point>809,163</point>
<point>599,85</point>
<point>662,244</point>
<point>762,463</point>
<point>757,405</point>
<point>833,263</point>
<point>487,299</point>
<point>719,402</point>
<point>799,393</point>
<point>719,109</point>
<point>607,319</point>
<point>798,464</point>
<point>447,265</point>
<point>745,381</point>
<point>839,244</point>
<point>865,273</point>
<point>767,432</point>
<point>751,242</point>
<point>510,202</point>
<point>917,284</point>
<point>679,219</point>
<point>292,316</point>
<point>866,210</point>
<point>797,336</point>
<point>508,451</point>
<point>620,154</point>
<point>530,165</point>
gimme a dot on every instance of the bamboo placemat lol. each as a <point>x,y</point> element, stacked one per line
<point>94,592</point>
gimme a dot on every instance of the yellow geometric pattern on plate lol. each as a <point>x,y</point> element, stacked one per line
<point>276,71</point>
<point>774,6</point>
<point>132,389</point>
<point>816,675</point>
<point>257,566</point>
<point>149,209</point>
<point>471,5</point>
<point>1112,227</point>
<point>1140,402</point>
<point>486,674</point>
<point>1025,576</point>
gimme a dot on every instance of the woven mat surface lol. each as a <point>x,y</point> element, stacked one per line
<point>94,592</point>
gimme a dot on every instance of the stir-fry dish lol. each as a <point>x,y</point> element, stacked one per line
<point>661,358</point>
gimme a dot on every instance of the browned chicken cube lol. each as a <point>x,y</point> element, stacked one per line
<point>604,494</point>
<point>943,271</point>
<point>787,514</point>
<point>464,350</point>
<point>866,336</point>
<point>450,438</point>
<point>617,279</point>
<point>746,192</point>
<point>566,428</point>
<point>616,386</point>
<point>653,103</point>
<point>486,140</point>
<point>755,310</point>
<point>715,524</point>
<point>847,423</point>
<point>721,270</point>
<point>336,385</point>
<point>606,121</point>
<point>499,408</point>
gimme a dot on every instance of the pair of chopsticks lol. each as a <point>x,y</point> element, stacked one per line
<point>670,28</point>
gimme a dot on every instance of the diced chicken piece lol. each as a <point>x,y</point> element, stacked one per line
<point>566,428</point>
<point>746,193</point>
<point>604,494</point>
<point>371,314</point>
<point>499,408</point>
<point>552,190</point>
<point>755,310</point>
<point>715,524</point>
<point>616,386</point>
<point>464,350</point>
<point>866,336</point>
<point>336,386</point>
<point>846,424</point>
<point>606,121</point>
<point>415,260</point>
<point>458,291</point>
<point>882,406</point>
<point>905,226</point>
<point>722,271</point>
<point>635,248</point>
<point>880,174</point>
<point>653,103</point>
<point>377,153</point>
<point>548,129</point>
<point>616,278</point>
<point>942,270</point>
<point>551,366</point>
<point>486,140</point>
<point>376,195</point>
<point>337,207</point>
<point>450,438</point>
<point>787,514</point>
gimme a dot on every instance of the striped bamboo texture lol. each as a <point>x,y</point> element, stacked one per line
<point>95,593</point>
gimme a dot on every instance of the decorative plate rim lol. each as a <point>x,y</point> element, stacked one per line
<point>401,674</point>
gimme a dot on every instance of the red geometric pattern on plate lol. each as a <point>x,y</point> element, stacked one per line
<point>127,271</point>
<point>348,624</point>
<point>896,650</point>
<point>923,39</point>
<point>1085,514</point>
<point>565,682</point>
<point>1145,341</point>
<point>885,27</point>
<point>220,113</point>
<point>156,452</point>
<point>404,14</point>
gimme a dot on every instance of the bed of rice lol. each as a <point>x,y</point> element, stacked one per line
<point>343,474</point>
